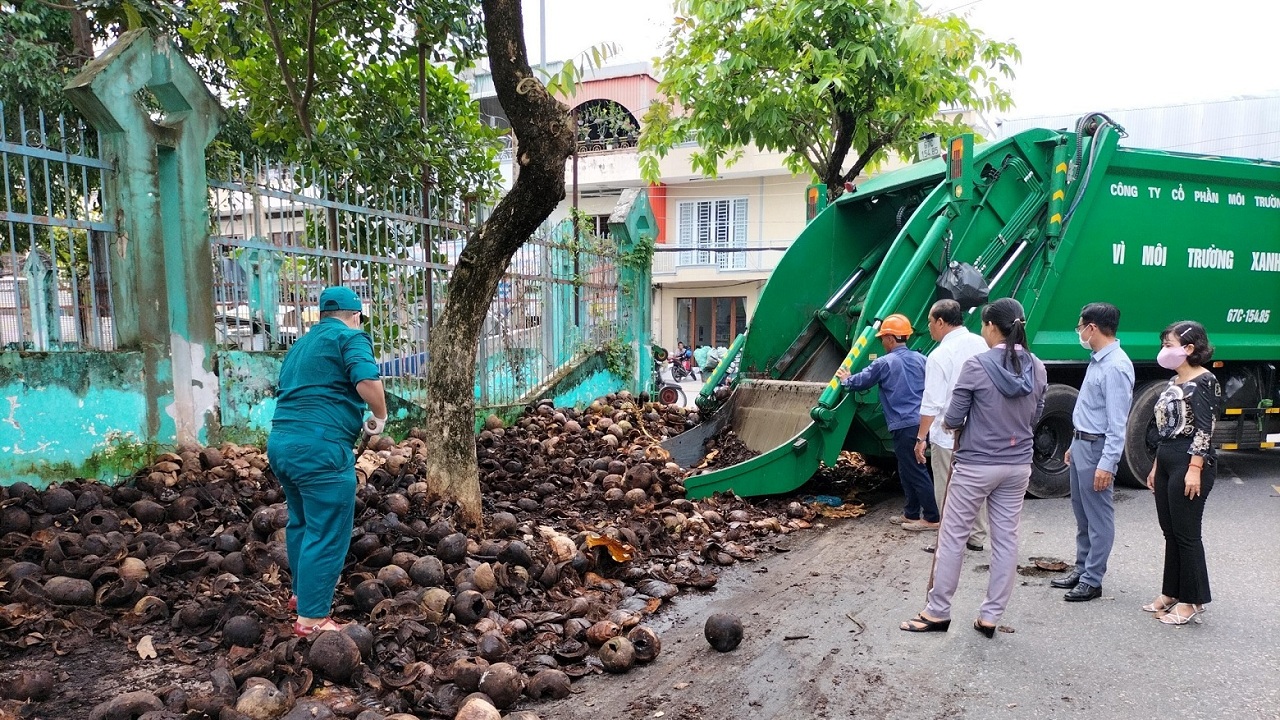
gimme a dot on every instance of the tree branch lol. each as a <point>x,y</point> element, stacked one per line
<point>310,78</point>
<point>290,85</point>
<point>884,140</point>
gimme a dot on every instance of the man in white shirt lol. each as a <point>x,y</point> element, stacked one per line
<point>955,345</point>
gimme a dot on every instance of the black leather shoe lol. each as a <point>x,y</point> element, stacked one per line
<point>1083,593</point>
<point>1067,581</point>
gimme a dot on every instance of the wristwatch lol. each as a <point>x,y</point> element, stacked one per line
<point>921,440</point>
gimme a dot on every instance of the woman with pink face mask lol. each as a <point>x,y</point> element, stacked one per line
<point>1184,470</point>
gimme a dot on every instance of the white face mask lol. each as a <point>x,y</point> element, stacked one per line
<point>1084,343</point>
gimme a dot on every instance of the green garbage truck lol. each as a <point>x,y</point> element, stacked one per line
<point>1054,218</point>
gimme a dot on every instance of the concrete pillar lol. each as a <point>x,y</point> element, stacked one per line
<point>158,195</point>
<point>633,226</point>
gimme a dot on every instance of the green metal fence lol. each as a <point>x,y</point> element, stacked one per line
<point>55,281</point>
<point>283,233</point>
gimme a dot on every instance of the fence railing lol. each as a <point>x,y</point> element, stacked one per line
<point>282,234</point>
<point>55,276</point>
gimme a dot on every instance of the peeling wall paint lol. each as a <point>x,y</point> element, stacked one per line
<point>68,413</point>
<point>246,384</point>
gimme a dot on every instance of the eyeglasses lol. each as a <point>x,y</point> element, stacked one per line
<point>1082,326</point>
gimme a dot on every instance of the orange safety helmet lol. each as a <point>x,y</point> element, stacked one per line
<point>896,325</point>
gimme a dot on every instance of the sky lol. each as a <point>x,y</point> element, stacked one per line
<point>1077,56</point>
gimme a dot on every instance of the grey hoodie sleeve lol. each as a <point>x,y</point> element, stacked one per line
<point>1041,387</point>
<point>962,396</point>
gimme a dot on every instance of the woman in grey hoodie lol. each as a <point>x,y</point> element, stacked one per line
<point>998,399</point>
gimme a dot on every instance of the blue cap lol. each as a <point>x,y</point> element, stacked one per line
<point>339,298</point>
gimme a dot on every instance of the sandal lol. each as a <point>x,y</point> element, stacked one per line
<point>293,603</point>
<point>1173,617</point>
<point>324,625</point>
<point>988,630</point>
<point>924,624</point>
<point>1158,606</point>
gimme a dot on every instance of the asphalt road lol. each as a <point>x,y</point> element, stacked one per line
<point>841,591</point>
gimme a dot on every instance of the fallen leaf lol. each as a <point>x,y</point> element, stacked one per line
<point>1050,564</point>
<point>619,551</point>
<point>659,714</point>
<point>681,685</point>
<point>145,649</point>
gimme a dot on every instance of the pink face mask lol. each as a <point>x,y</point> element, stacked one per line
<point>1171,358</point>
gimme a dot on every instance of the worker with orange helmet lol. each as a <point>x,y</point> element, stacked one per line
<point>900,375</point>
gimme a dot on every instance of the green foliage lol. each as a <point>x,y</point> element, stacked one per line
<point>815,79</point>
<point>565,82</point>
<point>335,85</point>
<point>122,454</point>
<point>617,357</point>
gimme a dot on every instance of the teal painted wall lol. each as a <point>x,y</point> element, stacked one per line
<point>73,414</point>
<point>247,394</point>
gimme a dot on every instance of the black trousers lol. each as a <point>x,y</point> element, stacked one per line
<point>1185,575</point>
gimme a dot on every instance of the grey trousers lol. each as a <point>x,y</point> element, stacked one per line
<point>1095,513</point>
<point>1003,487</point>
<point>940,460</point>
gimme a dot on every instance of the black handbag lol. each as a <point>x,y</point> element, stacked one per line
<point>962,282</point>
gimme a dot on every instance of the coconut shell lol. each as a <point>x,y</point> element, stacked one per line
<point>69,591</point>
<point>492,646</point>
<point>469,606</point>
<point>645,643</point>
<point>452,548</point>
<point>261,700</point>
<point>723,631</point>
<point>467,672</point>
<point>242,630</point>
<point>503,683</point>
<point>617,655</point>
<point>334,656</point>
<point>477,707</point>
<point>602,632</point>
<point>428,572</point>
<point>548,685</point>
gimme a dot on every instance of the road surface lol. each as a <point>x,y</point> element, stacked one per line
<point>841,591</point>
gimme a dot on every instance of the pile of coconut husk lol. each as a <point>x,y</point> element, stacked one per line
<point>184,569</point>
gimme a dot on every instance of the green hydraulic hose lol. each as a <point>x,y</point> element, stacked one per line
<point>823,413</point>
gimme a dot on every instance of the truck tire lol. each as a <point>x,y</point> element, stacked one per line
<point>1052,437</point>
<point>1140,436</point>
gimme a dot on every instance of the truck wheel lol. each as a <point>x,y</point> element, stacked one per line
<point>1140,436</point>
<point>1050,476</point>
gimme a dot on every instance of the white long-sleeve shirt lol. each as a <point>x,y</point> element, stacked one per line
<point>941,370</point>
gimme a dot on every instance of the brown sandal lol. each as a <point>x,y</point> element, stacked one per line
<point>324,625</point>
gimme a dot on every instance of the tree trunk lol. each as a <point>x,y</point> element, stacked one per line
<point>545,139</point>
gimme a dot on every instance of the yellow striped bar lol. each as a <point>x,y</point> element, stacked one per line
<point>1267,445</point>
<point>1230,446</point>
<point>1235,411</point>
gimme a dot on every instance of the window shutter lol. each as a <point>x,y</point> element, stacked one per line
<point>688,213</point>
<point>704,232</point>
<point>739,260</point>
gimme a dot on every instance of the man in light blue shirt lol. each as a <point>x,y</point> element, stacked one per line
<point>1100,417</point>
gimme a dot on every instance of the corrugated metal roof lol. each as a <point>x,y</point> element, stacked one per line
<point>1243,127</point>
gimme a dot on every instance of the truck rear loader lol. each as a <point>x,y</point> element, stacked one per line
<point>1054,219</point>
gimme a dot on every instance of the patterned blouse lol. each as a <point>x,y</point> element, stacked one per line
<point>1189,412</point>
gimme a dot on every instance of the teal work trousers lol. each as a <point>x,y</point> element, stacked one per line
<point>319,482</point>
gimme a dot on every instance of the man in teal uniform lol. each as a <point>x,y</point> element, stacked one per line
<point>326,381</point>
